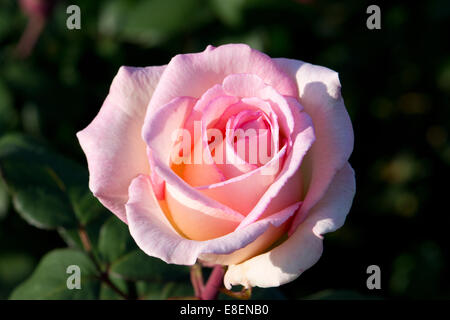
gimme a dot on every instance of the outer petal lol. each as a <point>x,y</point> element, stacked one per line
<point>304,247</point>
<point>112,142</point>
<point>261,244</point>
<point>154,234</point>
<point>320,94</point>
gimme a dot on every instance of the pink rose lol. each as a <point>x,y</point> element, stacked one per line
<point>264,218</point>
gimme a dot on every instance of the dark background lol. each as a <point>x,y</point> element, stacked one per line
<point>395,83</point>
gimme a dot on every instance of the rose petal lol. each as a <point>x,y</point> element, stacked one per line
<point>202,169</point>
<point>246,189</point>
<point>320,95</point>
<point>251,104</point>
<point>250,86</point>
<point>155,235</point>
<point>286,187</point>
<point>164,126</point>
<point>193,74</point>
<point>112,142</point>
<point>160,140</point>
<point>235,159</point>
<point>262,243</point>
<point>231,167</point>
<point>303,248</point>
<point>188,215</point>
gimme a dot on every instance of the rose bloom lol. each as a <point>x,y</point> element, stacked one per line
<point>265,220</point>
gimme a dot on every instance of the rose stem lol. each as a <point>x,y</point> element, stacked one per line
<point>30,36</point>
<point>86,242</point>
<point>197,279</point>
<point>215,282</point>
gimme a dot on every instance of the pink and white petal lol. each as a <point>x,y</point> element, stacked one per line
<point>303,137</point>
<point>228,162</point>
<point>304,247</point>
<point>158,183</point>
<point>269,115</point>
<point>159,134</point>
<point>245,134</point>
<point>189,198</point>
<point>262,243</point>
<point>246,189</point>
<point>320,94</point>
<point>290,192</point>
<point>243,85</point>
<point>234,109</point>
<point>193,74</point>
<point>162,129</point>
<point>234,158</point>
<point>262,105</point>
<point>293,188</point>
<point>201,170</point>
<point>226,159</point>
<point>112,142</point>
<point>250,85</point>
<point>188,217</point>
<point>209,108</point>
<point>154,234</point>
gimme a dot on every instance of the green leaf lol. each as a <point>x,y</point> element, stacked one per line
<point>407,280</point>
<point>114,239</point>
<point>230,11</point>
<point>112,16</point>
<point>151,22</point>
<point>15,267</point>
<point>49,280</point>
<point>86,207</point>
<point>43,207</point>
<point>72,235</point>
<point>138,266</point>
<point>4,199</point>
<point>8,115</point>
<point>48,190</point>
<point>107,293</point>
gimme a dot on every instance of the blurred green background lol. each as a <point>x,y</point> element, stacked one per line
<point>396,86</point>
